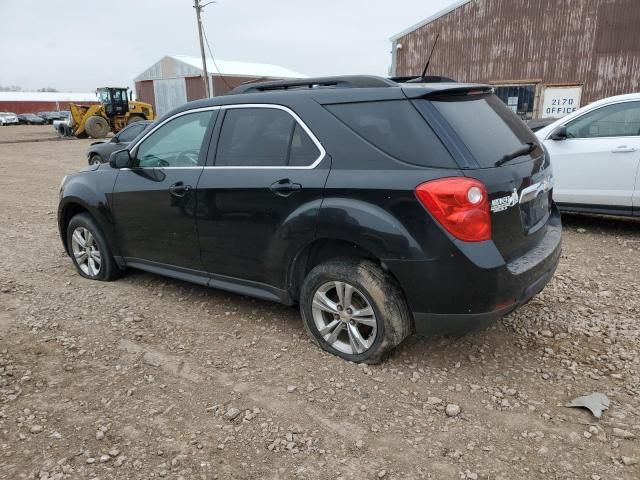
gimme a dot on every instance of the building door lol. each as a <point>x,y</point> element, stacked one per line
<point>169,94</point>
<point>519,98</point>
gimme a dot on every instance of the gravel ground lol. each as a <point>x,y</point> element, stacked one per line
<point>149,377</point>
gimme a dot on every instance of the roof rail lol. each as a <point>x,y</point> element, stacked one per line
<point>419,79</point>
<point>350,81</point>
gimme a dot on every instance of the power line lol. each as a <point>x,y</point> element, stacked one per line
<point>213,59</point>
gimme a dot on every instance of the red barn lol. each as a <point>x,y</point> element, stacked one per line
<point>32,102</point>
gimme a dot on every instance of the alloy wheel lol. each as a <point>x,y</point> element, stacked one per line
<point>344,317</point>
<point>86,252</point>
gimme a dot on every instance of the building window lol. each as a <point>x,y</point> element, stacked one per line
<point>519,98</point>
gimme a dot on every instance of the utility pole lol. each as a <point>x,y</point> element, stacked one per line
<point>199,7</point>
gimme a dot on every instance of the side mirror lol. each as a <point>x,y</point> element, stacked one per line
<point>559,133</point>
<point>120,159</point>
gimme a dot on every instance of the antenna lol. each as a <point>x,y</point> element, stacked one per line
<point>426,67</point>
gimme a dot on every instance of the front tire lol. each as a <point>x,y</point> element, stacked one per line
<point>134,119</point>
<point>89,249</point>
<point>95,160</point>
<point>96,126</point>
<point>355,310</point>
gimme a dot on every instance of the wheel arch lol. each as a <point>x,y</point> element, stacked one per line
<point>322,250</point>
<point>74,206</point>
<point>67,212</point>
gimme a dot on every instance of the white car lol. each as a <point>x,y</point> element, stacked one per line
<point>595,154</point>
<point>9,118</point>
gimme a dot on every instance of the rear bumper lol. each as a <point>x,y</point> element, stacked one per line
<point>462,293</point>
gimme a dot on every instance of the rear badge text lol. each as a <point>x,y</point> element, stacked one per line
<point>501,204</point>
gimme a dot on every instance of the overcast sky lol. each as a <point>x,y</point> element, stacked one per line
<point>78,45</point>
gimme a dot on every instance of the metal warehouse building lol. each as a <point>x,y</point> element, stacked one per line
<point>177,79</point>
<point>32,102</point>
<point>545,57</point>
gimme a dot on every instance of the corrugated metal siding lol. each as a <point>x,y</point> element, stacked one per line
<point>144,93</point>
<point>195,88</point>
<point>589,42</point>
<point>169,94</point>
<point>33,107</point>
<point>168,67</point>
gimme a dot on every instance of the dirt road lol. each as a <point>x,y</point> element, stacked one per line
<point>149,377</point>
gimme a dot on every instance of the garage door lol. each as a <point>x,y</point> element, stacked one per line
<point>170,93</point>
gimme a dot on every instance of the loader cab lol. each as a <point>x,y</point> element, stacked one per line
<point>115,100</point>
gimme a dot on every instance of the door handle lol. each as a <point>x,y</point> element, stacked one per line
<point>285,187</point>
<point>624,149</point>
<point>179,189</point>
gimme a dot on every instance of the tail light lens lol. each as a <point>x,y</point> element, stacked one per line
<point>460,205</point>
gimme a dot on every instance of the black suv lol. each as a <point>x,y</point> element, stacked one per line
<point>381,207</point>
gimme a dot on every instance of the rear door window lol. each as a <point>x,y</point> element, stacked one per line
<point>263,137</point>
<point>488,128</point>
<point>396,128</point>
<point>303,151</point>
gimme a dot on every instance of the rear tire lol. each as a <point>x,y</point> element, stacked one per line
<point>90,250</point>
<point>134,119</point>
<point>373,320</point>
<point>96,127</point>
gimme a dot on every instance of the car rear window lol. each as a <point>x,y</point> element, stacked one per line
<point>396,128</point>
<point>486,126</point>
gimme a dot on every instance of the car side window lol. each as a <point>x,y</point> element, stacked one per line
<point>177,143</point>
<point>618,120</point>
<point>263,137</point>
<point>129,133</point>
<point>303,151</point>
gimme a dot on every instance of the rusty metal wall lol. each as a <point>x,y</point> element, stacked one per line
<point>594,43</point>
<point>195,88</point>
<point>220,86</point>
<point>145,93</point>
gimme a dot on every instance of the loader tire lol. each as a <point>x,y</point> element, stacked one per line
<point>96,127</point>
<point>134,119</point>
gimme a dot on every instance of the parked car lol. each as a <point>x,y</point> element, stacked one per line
<point>539,123</point>
<point>380,210</point>
<point>44,116</point>
<point>30,119</point>
<point>50,117</point>
<point>99,152</point>
<point>9,118</point>
<point>595,153</point>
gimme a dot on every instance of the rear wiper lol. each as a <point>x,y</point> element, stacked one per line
<point>526,149</point>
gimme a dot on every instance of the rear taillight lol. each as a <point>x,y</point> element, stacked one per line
<point>460,205</point>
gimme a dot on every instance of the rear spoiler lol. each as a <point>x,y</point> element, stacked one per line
<point>435,90</point>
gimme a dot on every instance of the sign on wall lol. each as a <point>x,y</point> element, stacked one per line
<point>560,101</point>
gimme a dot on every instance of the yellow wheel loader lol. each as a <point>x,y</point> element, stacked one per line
<point>114,112</point>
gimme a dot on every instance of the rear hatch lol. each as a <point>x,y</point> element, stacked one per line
<point>491,144</point>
